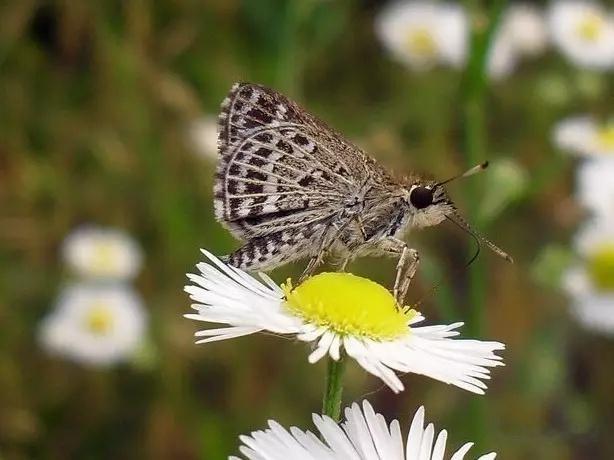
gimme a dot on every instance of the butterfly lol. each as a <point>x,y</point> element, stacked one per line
<point>290,188</point>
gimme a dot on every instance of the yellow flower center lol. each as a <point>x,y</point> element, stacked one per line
<point>590,27</point>
<point>99,320</point>
<point>420,42</point>
<point>348,305</point>
<point>601,267</point>
<point>605,137</point>
<point>103,256</point>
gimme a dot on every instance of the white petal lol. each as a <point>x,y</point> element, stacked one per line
<point>490,456</point>
<point>335,437</point>
<point>427,443</point>
<point>364,436</point>
<point>334,349</point>
<point>322,347</point>
<point>460,453</point>
<point>440,445</point>
<point>358,432</point>
<point>414,438</point>
<point>430,352</point>
<point>379,432</point>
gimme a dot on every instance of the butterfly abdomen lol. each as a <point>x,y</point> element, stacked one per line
<point>270,251</point>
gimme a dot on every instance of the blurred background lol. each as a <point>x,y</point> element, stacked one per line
<point>107,152</point>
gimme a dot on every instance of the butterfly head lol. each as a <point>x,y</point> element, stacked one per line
<point>428,202</point>
<point>430,205</point>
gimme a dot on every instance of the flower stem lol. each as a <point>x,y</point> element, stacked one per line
<point>331,403</point>
<point>475,134</point>
<point>474,92</point>
<point>286,69</point>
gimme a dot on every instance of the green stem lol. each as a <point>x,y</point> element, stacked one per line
<point>474,92</point>
<point>475,134</point>
<point>288,64</point>
<point>331,404</point>
<point>475,138</point>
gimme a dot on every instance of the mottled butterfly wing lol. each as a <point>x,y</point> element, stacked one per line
<point>282,177</point>
<point>280,167</point>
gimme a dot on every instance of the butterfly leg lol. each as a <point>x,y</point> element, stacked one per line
<point>312,265</point>
<point>363,233</point>
<point>344,264</point>
<point>361,227</point>
<point>316,260</point>
<point>410,272</point>
<point>329,237</point>
<point>406,266</point>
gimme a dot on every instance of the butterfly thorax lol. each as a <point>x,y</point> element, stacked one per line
<point>387,210</point>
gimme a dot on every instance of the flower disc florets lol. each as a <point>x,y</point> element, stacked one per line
<point>348,305</point>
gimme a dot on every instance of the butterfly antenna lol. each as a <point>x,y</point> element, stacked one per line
<point>475,239</point>
<point>470,172</point>
<point>436,286</point>
<point>463,225</point>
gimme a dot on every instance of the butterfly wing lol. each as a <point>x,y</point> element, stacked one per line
<point>280,167</point>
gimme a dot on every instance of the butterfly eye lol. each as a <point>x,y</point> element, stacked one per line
<point>421,197</point>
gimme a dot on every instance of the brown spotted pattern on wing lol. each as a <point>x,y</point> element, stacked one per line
<point>281,169</point>
<point>273,249</point>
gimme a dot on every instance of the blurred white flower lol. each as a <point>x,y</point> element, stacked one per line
<point>525,25</point>
<point>595,313</point>
<point>590,283</point>
<point>583,135</point>
<point>595,187</point>
<point>335,312</point>
<point>95,324</point>
<point>522,32</point>
<point>105,253</point>
<point>584,32</point>
<point>203,137</point>
<point>364,435</point>
<point>422,34</point>
<point>502,57</point>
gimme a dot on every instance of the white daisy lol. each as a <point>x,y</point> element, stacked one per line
<point>335,312</point>
<point>525,26</point>
<point>95,324</point>
<point>583,135</point>
<point>96,252</point>
<point>595,187</point>
<point>522,32</point>
<point>364,435</point>
<point>203,137</point>
<point>502,57</point>
<point>422,34</point>
<point>595,313</point>
<point>590,283</point>
<point>584,32</point>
